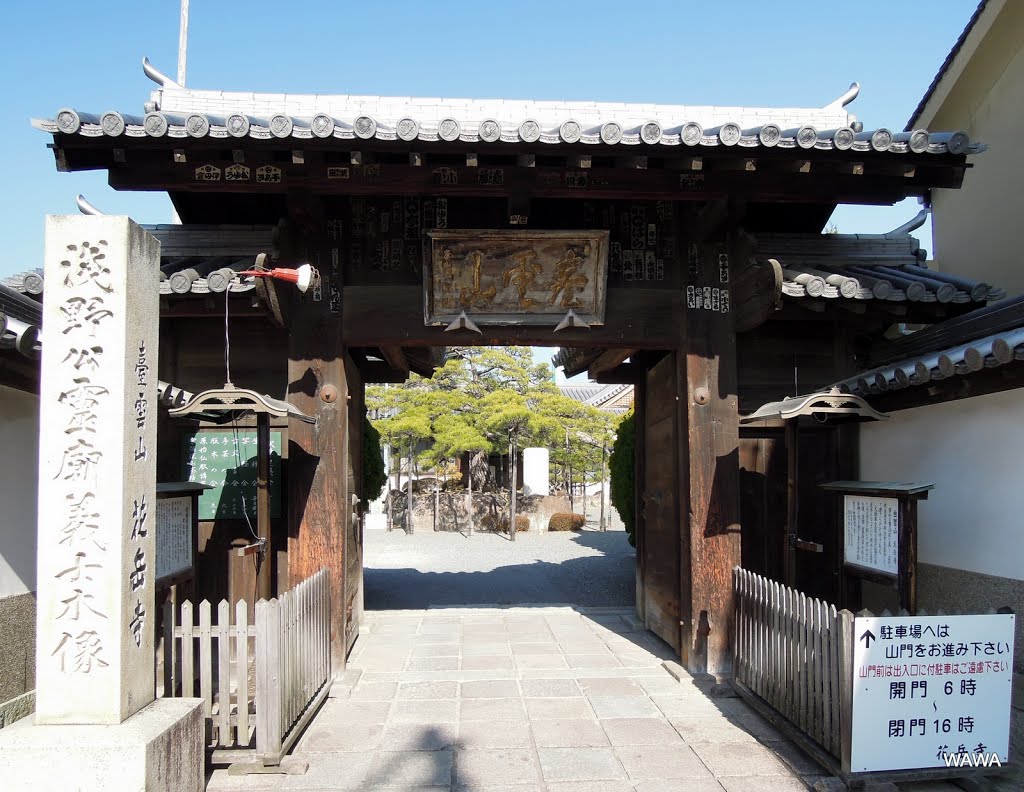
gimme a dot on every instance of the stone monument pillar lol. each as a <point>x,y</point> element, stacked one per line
<point>96,530</point>
<point>535,471</point>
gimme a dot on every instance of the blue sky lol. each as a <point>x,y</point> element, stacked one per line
<point>88,56</point>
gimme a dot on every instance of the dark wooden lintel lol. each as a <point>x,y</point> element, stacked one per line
<point>608,360</point>
<point>377,371</point>
<point>641,318</point>
<point>394,357</point>
<point>624,374</point>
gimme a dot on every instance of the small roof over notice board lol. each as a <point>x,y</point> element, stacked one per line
<point>883,488</point>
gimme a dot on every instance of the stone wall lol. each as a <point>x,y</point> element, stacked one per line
<point>18,645</point>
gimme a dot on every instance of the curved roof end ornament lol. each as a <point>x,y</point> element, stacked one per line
<point>87,208</point>
<point>158,76</point>
<point>847,96</point>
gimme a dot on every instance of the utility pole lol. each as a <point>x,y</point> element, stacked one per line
<point>183,42</point>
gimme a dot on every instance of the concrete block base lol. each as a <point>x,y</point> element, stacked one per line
<point>159,749</point>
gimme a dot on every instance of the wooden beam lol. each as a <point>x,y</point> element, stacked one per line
<point>756,293</point>
<point>608,360</point>
<point>642,318</point>
<point>377,372</point>
<point>394,357</point>
<point>624,374</point>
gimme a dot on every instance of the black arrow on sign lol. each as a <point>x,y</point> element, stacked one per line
<point>867,638</point>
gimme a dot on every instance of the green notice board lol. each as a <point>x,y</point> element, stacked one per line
<point>226,459</point>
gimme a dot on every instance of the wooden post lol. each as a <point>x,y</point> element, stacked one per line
<point>709,463</point>
<point>792,496</point>
<point>263,590</point>
<point>844,627</point>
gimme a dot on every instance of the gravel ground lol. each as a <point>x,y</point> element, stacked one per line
<point>433,569</point>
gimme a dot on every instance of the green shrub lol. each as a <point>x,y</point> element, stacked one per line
<point>566,521</point>
<point>374,475</point>
<point>622,467</point>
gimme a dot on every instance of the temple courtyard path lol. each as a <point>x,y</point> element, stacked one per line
<point>529,697</point>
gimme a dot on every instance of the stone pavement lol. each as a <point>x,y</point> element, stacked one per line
<point>527,699</point>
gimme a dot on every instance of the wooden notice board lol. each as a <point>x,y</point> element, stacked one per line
<point>226,460</point>
<point>878,535</point>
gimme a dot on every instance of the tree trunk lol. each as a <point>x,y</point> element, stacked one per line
<point>391,497</point>
<point>469,495</point>
<point>604,482</point>
<point>512,484</point>
<point>408,519</point>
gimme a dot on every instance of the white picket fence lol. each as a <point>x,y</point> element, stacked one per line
<point>289,644</point>
<point>790,651</point>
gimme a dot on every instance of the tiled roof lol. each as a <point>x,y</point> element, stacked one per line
<point>985,338</point>
<point>230,249</point>
<point>178,112</point>
<point>888,267</point>
<point>20,318</point>
<point>941,73</point>
<point>989,351</point>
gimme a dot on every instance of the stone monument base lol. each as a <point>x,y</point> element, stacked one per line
<point>158,749</point>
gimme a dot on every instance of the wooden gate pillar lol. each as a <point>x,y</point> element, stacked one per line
<point>318,462</point>
<point>709,461</point>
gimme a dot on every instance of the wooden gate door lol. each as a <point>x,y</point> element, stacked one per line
<point>763,501</point>
<point>660,503</point>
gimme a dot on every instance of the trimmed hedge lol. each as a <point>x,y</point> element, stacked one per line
<point>622,466</point>
<point>500,524</point>
<point>566,521</point>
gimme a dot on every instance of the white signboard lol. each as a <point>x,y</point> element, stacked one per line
<point>872,532</point>
<point>173,535</point>
<point>931,691</point>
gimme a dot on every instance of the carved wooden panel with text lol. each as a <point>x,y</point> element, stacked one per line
<point>516,277</point>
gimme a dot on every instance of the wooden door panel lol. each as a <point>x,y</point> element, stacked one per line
<point>660,505</point>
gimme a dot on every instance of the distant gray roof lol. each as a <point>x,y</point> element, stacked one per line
<point>595,394</point>
<point>179,112</point>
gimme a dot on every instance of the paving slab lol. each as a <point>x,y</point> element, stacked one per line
<point>419,736</point>
<point>476,735</point>
<point>492,709</point>
<point>331,771</point>
<point>641,731</point>
<point>405,769</point>
<point>428,690</point>
<point>624,707</point>
<point>611,686</point>
<point>558,708</point>
<point>373,691</point>
<point>494,766</point>
<point>579,764</point>
<point>489,688</point>
<point>550,688</point>
<point>431,711</point>
<point>741,759</point>
<point>655,762</point>
<point>575,733</point>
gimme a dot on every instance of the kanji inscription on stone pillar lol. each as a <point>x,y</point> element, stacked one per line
<point>97,471</point>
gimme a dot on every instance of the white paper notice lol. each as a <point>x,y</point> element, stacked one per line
<point>872,532</point>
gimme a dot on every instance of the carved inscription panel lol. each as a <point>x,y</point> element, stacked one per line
<point>513,277</point>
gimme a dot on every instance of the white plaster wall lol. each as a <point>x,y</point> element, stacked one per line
<point>19,454</point>
<point>973,451</point>
<point>976,228</point>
